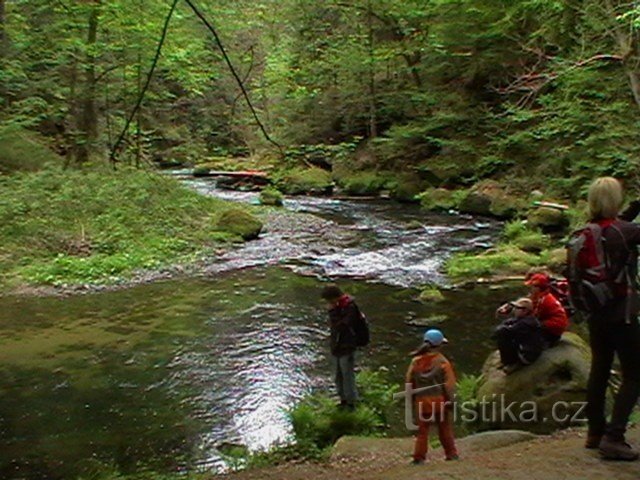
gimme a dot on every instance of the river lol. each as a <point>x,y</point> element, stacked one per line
<point>161,375</point>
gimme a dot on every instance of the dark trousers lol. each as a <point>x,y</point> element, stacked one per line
<point>511,351</point>
<point>609,334</point>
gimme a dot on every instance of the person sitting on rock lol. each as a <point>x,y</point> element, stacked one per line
<point>547,308</point>
<point>519,336</point>
<point>432,374</point>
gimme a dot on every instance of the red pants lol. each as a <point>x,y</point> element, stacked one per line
<point>445,433</point>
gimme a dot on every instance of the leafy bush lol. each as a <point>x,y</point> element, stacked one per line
<point>318,422</point>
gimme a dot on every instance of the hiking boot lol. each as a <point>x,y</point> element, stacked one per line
<point>509,369</point>
<point>611,449</point>
<point>593,441</point>
<point>417,461</point>
<point>452,457</point>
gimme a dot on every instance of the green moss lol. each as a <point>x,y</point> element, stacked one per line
<point>362,183</point>
<point>431,294</point>
<point>503,260</point>
<point>306,181</point>
<point>271,196</point>
<point>441,199</point>
<point>549,219</point>
<point>240,222</point>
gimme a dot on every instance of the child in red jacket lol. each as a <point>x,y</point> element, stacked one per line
<point>547,308</point>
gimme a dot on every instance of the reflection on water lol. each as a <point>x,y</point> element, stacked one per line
<point>161,375</point>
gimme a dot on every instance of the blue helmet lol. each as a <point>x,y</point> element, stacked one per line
<point>434,337</point>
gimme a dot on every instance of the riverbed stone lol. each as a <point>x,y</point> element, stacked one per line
<point>549,220</point>
<point>489,198</point>
<point>307,181</point>
<point>240,222</point>
<point>559,375</point>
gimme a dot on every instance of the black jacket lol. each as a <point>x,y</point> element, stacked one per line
<point>342,319</point>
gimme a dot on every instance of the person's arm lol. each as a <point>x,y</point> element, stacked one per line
<point>408,378</point>
<point>631,212</point>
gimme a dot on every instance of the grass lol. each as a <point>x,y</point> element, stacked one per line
<point>98,226</point>
<point>502,260</point>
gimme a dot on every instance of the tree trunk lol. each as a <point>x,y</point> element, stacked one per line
<point>88,116</point>
<point>373,127</point>
<point>3,35</point>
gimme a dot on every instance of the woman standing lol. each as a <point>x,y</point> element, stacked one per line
<point>614,328</point>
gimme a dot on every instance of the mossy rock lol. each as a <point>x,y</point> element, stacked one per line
<point>362,183</point>
<point>407,189</point>
<point>488,198</point>
<point>559,375</point>
<point>240,222</point>
<point>271,196</point>
<point>440,199</point>
<point>431,294</point>
<point>549,220</point>
<point>307,181</point>
<point>557,259</point>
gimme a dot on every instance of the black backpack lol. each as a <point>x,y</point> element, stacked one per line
<point>361,330</point>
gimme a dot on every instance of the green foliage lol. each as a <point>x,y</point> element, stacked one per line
<point>318,422</point>
<point>73,226</point>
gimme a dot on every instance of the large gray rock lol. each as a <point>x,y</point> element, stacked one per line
<point>547,394</point>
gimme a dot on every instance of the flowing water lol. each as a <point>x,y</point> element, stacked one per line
<point>162,375</point>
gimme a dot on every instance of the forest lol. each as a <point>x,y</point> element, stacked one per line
<point>425,153</point>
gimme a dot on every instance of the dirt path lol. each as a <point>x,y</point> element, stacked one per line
<point>560,456</point>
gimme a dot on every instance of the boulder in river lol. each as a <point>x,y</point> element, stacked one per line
<point>489,198</point>
<point>557,380</point>
<point>240,222</point>
<point>549,220</point>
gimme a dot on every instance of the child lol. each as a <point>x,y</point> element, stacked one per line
<point>430,370</point>
<point>519,337</point>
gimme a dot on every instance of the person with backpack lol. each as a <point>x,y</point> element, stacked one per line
<point>519,336</point>
<point>432,374</point>
<point>348,331</point>
<point>602,269</point>
<point>547,308</point>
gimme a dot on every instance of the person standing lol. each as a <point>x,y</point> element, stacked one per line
<point>431,373</point>
<point>344,316</point>
<point>613,327</point>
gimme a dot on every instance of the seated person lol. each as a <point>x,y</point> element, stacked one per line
<point>519,337</point>
<point>547,308</point>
